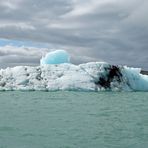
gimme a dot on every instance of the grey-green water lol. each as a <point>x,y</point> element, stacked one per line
<point>73,120</point>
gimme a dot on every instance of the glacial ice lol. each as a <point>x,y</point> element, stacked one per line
<point>55,57</point>
<point>93,76</point>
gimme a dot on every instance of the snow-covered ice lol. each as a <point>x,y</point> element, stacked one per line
<point>94,76</point>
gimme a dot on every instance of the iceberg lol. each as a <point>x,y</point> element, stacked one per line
<point>55,57</point>
<point>93,76</point>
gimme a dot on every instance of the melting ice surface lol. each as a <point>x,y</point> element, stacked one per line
<point>55,57</point>
<point>93,76</point>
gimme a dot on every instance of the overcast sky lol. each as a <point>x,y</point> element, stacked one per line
<point>115,31</point>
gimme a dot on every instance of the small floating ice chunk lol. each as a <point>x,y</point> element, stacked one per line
<point>55,57</point>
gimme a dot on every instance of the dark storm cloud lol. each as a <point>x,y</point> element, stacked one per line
<point>115,31</point>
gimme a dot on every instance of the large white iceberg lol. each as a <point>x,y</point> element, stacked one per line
<point>94,76</point>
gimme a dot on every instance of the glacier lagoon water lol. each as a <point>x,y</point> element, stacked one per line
<point>73,119</point>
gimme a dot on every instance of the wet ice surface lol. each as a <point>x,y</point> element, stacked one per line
<point>73,119</point>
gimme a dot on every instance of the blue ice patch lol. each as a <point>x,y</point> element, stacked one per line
<point>55,57</point>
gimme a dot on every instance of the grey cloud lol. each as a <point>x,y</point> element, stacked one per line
<point>112,30</point>
<point>19,59</point>
<point>35,9</point>
<point>10,55</point>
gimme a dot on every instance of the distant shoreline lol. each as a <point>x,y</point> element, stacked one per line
<point>144,72</point>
